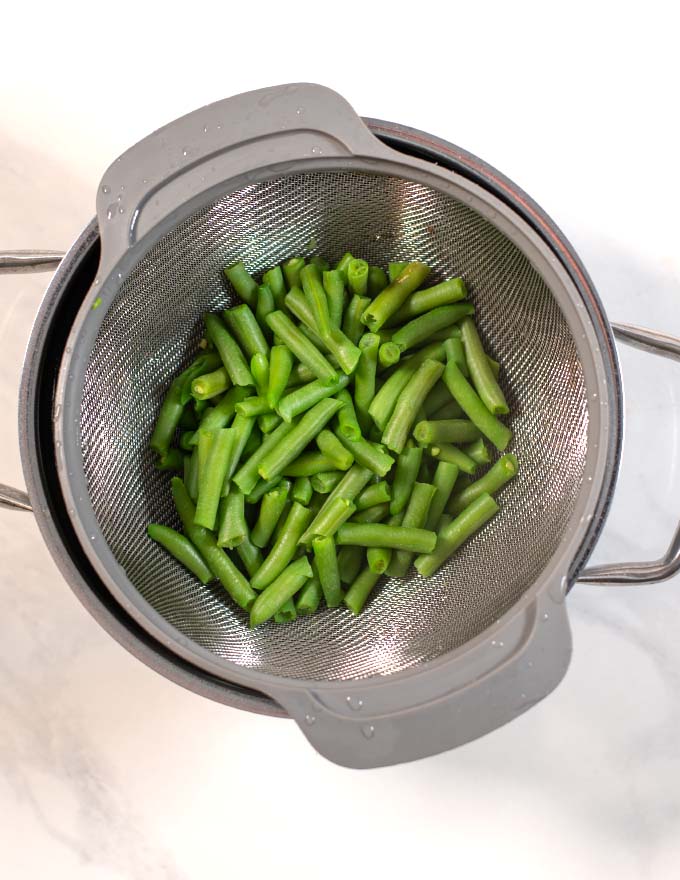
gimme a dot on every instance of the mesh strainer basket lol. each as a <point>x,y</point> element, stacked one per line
<point>430,663</point>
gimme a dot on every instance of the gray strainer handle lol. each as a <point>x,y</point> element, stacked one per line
<point>234,140</point>
<point>24,261</point>
<point>668,565</point>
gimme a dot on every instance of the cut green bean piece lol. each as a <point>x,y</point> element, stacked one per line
<point>242,429</point>
<point>348,424</point>
<point>394,270</point>
<point>280,366</point>
<point>286,613</point>
<point>456,353</point>
<point>267,422</point>
<point>374,514</point>
<point>168,418</point>
<point>261,489</point>
<point>370,455</point>
<point>364,378</point>
<point>437,398</point>
<point>444,480</point>
<point>233,529</point>
<point>350,562</point>
<point>478,452</point>
<point>385,400</point>
<point>339,511</point>
<point>380,535</point>
<point>352,326</point>
<point>428,433</point>
<point>279,590</point>
<point>379,558</point>
<point>394,295</point>
<point>227,347</point>
<point>475,409</point>
<point>291,271</point>
<point>423,327</point>
<point>342,264</point>
<point>334,286</point>
<point>333,449</point>
<point>377,280</point>
<point>408,465</point>
<point>320,263</point>
<point>306,396</point>
<point>415,516</point>
<point>191,474</point>
<point>492,481</point>
<point>443,294</point>
<point>210,384</point>
<point>172,460</point>
<point>327,569</point>
<point>389,354</point>
<point>212,473</point>
<point>325,481</point>
<point>250,556</point>
<point>375,493</point>
<point>272,506</point>
<point>302,490</point>
<point>247,475</point>
<point>259,367</point>
<point>349,487</point>
<point>186,441</point>
<point>309,597</point>
<point>308,465</point>
<point>220,415</point>
<point>204,363</point>
<point>243,283</point>
<point>205,442</point>
<point>303,433</point>
<point>244,326</point>
<point>302,348</point>
<point>182,549</point>
<point>450,410</point>
<point>274,280</point>
<point>406,409</point>
<point>357,277</point>
<point>454,455</point>
<point>252,407</point>
<point>449,539</point>
<point>284,548</point>
<point>494,365</point>
<point>216,559</point>
<point>481,373</point>
<point>316,298</point>
<point>358,593</point>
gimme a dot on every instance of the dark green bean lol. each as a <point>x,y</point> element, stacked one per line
<point>284,548</point>
<point>377,280</point>
<point>415,516</point>
<point>250,556</point>
<point>316,299</point>
<point>357,277</point>
<point>172,460</point>
<point>243,324</point>
<point>233,529</point>
<point>302,490</point>
<point>327,569</point>
<point>492,481</point>
<point>211,477</point>
<point>320,263</point>
<point>422,301</point>
<point>186,441</point>
<point>291,271</point>
<point>325,481</point>
<point>261,489</point>
<point>350,562</point>
<point>242,428</point>
<point>474,408</point>
<point>301,347</point>
<point>437,398</point>
<point>309,597</point>
<point>191,474</point>
<point>481,373</point>
<point>390,300</point>
<point>270,513</point>
<point>408,465</point>
<point>423,327</point>
<point>364,378</point>
<point>231,355</point>
<point>168,418</point>
<point>279,590</point>
<point>451,536</point>
<point>333,449</point>
<point>182,549</point>
<point>351,322</point>
<point>358,593</point>
<point>406,409</point>
<point>274,280</point>
<point>385,400</point>
<point>220,416</point>
<point>243,283</point>
<point>247,475</point>
<point>450,410</point>
<point>306,396</point>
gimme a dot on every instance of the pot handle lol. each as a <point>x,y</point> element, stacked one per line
<point>13,262</point>
<point>622,573</point>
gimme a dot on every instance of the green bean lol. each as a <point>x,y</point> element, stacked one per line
<point>406,473</point>
<point>254,442</point>
<point>284,548</point>
<point>406,409</point>
<point>314,291</point>
<point>385,400</point>
<point>259,367</point>
<point>375,493</point>
<point>358,593</point>
<point>271,509</point>
<point>351,322</point>
<point>172,460</point>
<point>390,300</point>
<point>494,366</point>
<point>250,556</point>
<point>168,418</point>
<point>374,514</point>
<point>428,433</point>
<point>422,301</point>
<point>377,280</point>
<point>370,455</point>
<point>481,373</point>
<point>334,286</point>
<point>274,280</point>
<point>303,433</point>
<point>267,422</point>
<point>437,398</point>
<point>300,307</point>
<point>243,282</point>
<point>325,481</point>
<point>281,525</point>
<point>454,455</point>
<point>342,264</point>
<point>478,451</point>
<point>415,516</point>
<point>252,407</point>
<point>339,347</point>
<point>205,442</point>
<point>216,559</point>
<point>301,347</point>
<point>445,477</point>
<point>280,366</point>
<point>320,263</point>
<point>182,549</point>
<point>302,490</point>
<point>350,562</point>
<point>394,270</point>
<point>261,489</point>
<point>231,355</point>
<point>326,562</point>
<point>492,481</point>
<point>357,277</point>
<point>450,410</point>
<point>233,529</point>
<point>379,558</point>
<point>389,354</point>
<point>279,590</point>
<point>186,439</point>
<point>286,613</point>
<point>291,271</point>
<point>308,465</point>
<point>247,475</point>
<point>333,449</point>
<point>380,535</point>
<point>244,326</point>
<point>348,424</point>
<point>220,415</point>
<point>210,384</point>
<point>191,474</point>
<point>242,429</point>
<point>364,378</point>
<point>474,408</point>
<point>451,536</point>
<point>450,332</point>
<point>423,327</point>
<point>306,396</point>
<point>344,350</point>
<point>204,363</point>
<point>339,511</point>
<point>456,353</point>
<point>309,597</point>
<point>211,476</point>
<point>349,487</point>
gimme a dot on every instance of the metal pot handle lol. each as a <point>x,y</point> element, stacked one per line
<point>14,262</point>
<point>623,573</point>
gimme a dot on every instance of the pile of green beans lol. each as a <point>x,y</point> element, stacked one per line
<point>332,429</point>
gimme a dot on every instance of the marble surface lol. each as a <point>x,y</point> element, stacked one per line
<point>110,772</point>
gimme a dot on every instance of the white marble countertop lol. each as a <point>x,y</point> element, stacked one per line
<point>110,772</point>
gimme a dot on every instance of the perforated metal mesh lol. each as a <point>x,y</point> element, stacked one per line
<point>150,333</point>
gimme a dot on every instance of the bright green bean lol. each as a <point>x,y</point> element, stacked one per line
<point>357,277</point>
<point>316,298</point>
<point>291,271</point>
<point>233,529</point>
<point>308,465</point>
<point>327,569</point>
<point>243,282</point>
<point>247,475</point>
<point>380,535</point>
<point>428,433</point>
<point>309,597</point>
<point>204,363</point>
<point>302,490</point>
<point>242,428</point>
<point>244,326</point>
<point>444,480</point>
<point>280,366</point>
<point>443,294</point>
<point>492,481</point>
<point>231,355</point>
<point>352,326</point>
<point>389,354</point>
<point>437,398</point>
<point>415,516</point>
<point>205,442</point>
<point>268,421</point>
<point>390,300</point>
<point>303,433</point>
<point>259,367</point>
<point>406,409</point>
<point>374,514</point>
<point>274,280</point>
<point>481,373</point>
<point>478,452</point>
<point>261,489</point>
<point>394,270</point>
<point>349,487</point>
<point>210,384</point>
<point>370,455</point>
<point>342,264</point>
<point>279,590</point>
<point>364,378</point>
<point>172,460</point>
<point>348,424</point>
<point>358,593</point>
<point>339,511</point>
<point>306,396</point>
<point>270,512</point>
<point>191,474</point>
<point>211,477</point>
<point>456,353</point>
<point>423,327</point>
<point>454,455</point>
<point>252,407</point>
<point>286,613</point>
<point>385,400</point>
<point>168,419</point>
<point>325,481</point>
<point>182,549</point>
<point>456,532</point>
<point>406,473</point>
<point>374,493</point>
<point>284,548</point>
<point>220,416</point>
<point>186,441</point>
<point>474,408</point>
<point>377,280</point>
<point>333,449</point>
<point>250,556</point>
<point>379,558</point>
<point>301,347</point>
<point>334,286</point>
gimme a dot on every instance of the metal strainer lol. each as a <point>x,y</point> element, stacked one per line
<point>292,170</point>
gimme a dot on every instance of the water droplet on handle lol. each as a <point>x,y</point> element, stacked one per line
<point>310,719</point>
<point>106,189</point>
<point>355,703</point>
<point>368,731</point>
<point>57,412</point>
